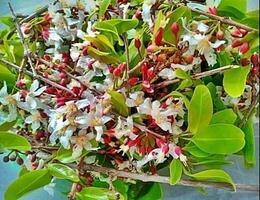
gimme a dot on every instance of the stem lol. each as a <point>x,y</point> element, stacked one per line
<point>127,55</point>
<point>225,20</point>
<point>25,45</point>
<point>165,179</point>
<point>39,77</point>
<point>197,76</point>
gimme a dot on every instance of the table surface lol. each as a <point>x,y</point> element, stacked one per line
<point>8,172</point>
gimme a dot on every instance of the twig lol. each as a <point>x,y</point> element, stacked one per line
<point>127,55</point>
<point>39,77</point>
<point>197,76</point>
<point>225,20</point>
<point>165,179</point>
<point>25,46</point>
<point>250,111</point>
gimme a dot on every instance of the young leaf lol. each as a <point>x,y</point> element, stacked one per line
<point>6,75</point>
<point>220,139</point>
<point>154,192</point>
<point>103,7</point>
<point>249,149</point>
<point>62,172</point>
<point>175,171</point>
<point>234,81</point>
<point>27,183</point>
<point>64,155</point>
<point>224,116</point>
<point>215,175</point>
<point>195,151</point>
<point>118,101</point>
<point>200,110</point>
<point>12,141</point>
<point>7,125</point>
<point>95,193</point>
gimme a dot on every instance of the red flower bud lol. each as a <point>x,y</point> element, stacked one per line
<point>151,48</point>
<point>236,43</point>
<point>161,57</point>
<point>244,48</point>
<point>146,84</point>
<point>213,10</point>
<point>175,28</point>
<point>133,81</point>
<point>255,59</point>
<point>178,150</point>
<point>122,67</point>
<point>85,51</point>
<point>150,73</point>
<point>138,14</point>
<point>63,82</point>
<point>189,59</point>
<point>243,31</point>
<point>117,72</point>
<point>254,70</point>
<point>76,90</point>
<point>159,36</point>
<point>244,62</point>
<point>62,75</point>
<point>137,43</point>
<point>220,35</point>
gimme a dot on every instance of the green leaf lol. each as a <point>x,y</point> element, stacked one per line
<point>249,149</point>
<point>224,116</point>
<point>27,183</point>
<point>251,21</point>
<point>218,103</point>
<point>7,20</point>
<point>12,141</point>
<point>23,171</point>
<point>200,110</point>
<point>195,151</point>
<point>184,84</point>
<point>182,74</point>
<point>215,175</point>
<point>175,171</point>
<point>7,126</point>
<point>220,139</point>
<point>240,5</point>
<point>103,57</point>
<point>234,81</point>
<point>154,193</point>
<point>175,16</point>
<point>232,12</point>
<point>62,172</point>
<point>103,7</point>
<point>65,156</point>
<point>6,75</point>
<point>118,101</point>
<point>95,193</point>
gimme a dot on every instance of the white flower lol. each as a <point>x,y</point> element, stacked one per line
<point>167,73</point>
<point>158,114</point>
<point>9,101</point>
<point>136,99</point>
<point>157,154</point>
<point>35,91</point>
<point>80,142</point>
<point>35,119</point>
<point>124,128</point>
<point>146,13</point>
<point>94,119</point>
<point>209,4</point>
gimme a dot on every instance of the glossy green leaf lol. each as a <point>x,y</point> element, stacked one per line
<point>27,183</point>
<point>154,192</point>
<point>8,21</point>
<point>224,116</point>
<point>184,84</point>
<point>249,149</point>
<point>103,7</point>
<point>220,139</point>
<point>7,126</point>
<point>215,175</point>
<point>64,156</point>
<point>95,193</point>
<point>7,75</point>
<point>13,142</point>
<point>200,110</point>
<point>218,103</point>
<point>234,81</point>
<point>118,101</point>
<point>62,172</point>
<point>175,171</point>
<point>182,74</point>
<point>103,57</point>
<point>240,5</point>
<point>195,151</point>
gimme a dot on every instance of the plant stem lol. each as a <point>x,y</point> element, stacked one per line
<point>165,179</point>
<point>225,20</point>
<point>25,45</point>
<point>39,77</point>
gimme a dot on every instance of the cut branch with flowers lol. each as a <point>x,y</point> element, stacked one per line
<point>111,92</point>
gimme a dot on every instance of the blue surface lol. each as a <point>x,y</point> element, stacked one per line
<point>8,172</point>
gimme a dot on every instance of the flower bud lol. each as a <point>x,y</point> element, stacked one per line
<point>213,10</point>
<point>117,72</point>
<point>189,59</point>
<point>85,51</point>
<point>175,28</point>
<point>244,62</point>
<point>133,81</point>
<point>152,48</point>
<point>137,43</point>
<point>244,48</point>
<point>159,36</point>
<point>178,150</point>
<point>236,43</point>
<point>254,59</point>
<point>138,14</point>
<point>254,70</point>
<point>122,67</point>
<point>220,35</point>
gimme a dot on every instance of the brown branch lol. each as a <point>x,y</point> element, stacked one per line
<point>25,45</point>
<point>39,77</point>
<point>164,179</point>
<point>225,20</point>
<point>197,76</point>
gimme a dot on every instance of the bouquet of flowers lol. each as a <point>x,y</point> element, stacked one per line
<point>104,94</point>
